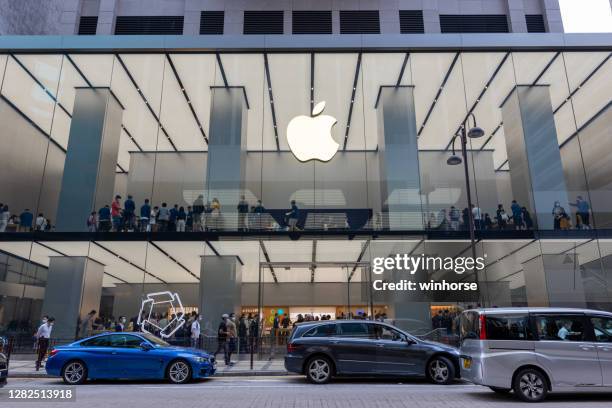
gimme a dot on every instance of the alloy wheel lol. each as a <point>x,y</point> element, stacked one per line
<point>438,371</point>
<point>319,370</point>
<point>74,372</point>
<point>179,372</point>
<point>531,386</point>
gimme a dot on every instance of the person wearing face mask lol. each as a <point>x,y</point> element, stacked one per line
<point>232,334</point>
<point>195,330</point>
<point>120,325</point>
<point>42,338</point>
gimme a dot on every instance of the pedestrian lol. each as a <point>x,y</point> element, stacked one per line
<point>43,334</point>
<point>242,333</point>
<point>129,212</point>
<point>583,210</point>
<point>293,216</point>
<point>86,328</point>
<point>454,218</point>
<point>517,215</point>
<point>104,218</point>
<point>116,213</point>
<point>41,222</point>
<point>172,219</point>
<point>189,223</point>
<point>181,219</point>
<point>195,331</point>
<point>556,213</point>
<point>120,325</point>
<point>25,221</point>
<point>163,216</point>
<point>145,214</point>
<point>243,210</point>
<point>198,210</point>
<point>5,215</point>
<point>477,216</point>
<point>92,224</point>
<point>501,217</point>
<point>222,338</point>
<point>527,218</point>
<point>232,336</point>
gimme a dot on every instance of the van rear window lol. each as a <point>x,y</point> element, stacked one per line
<point>508,327</point>
<point>469,325</point>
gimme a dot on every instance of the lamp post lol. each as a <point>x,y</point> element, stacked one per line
<point>454,160</point>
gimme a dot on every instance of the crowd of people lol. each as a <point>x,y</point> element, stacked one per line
<point>126,216</point>
<point>517,218</point>
<point>24,222</point>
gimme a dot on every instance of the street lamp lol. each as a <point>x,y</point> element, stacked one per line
<point>454,160</point>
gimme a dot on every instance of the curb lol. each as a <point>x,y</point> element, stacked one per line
<point>229,374</point>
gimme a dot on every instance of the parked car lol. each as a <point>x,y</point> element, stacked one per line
<point>3,370</point>
<point>534,351</point>
<point>325,349</point>
<point>128,355</point>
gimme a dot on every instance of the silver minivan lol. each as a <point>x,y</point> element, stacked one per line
<point>533,351</point>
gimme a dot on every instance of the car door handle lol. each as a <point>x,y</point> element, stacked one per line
<point>335,341</point>
<point>113,352</point>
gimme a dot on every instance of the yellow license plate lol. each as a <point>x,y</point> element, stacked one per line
<point>467,362</point>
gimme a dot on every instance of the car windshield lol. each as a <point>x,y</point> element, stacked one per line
<point>155,340</point>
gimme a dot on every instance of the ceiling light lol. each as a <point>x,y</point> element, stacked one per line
<point>454,160</point>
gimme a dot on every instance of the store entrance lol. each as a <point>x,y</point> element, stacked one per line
<point>293,292</point>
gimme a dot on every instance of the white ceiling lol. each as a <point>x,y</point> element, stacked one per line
<point>290,75</point>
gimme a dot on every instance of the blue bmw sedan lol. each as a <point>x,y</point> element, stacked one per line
<point>127,355</point>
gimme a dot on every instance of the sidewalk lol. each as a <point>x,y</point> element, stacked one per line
<point>26,369</point>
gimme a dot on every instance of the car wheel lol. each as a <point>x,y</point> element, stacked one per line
<point>530,385</point>
<point>500,390</point>
<point>319,370</point>
<point>440,370</point>
<point>179,372</point>
<point>74,372</point>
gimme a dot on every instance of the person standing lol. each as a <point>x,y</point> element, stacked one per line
<point>242,333</point>
<point>43,334</point>
<point>477,216</point>
<point>195,331</point>
<point>501,217</point>
<point>527,218</point>
<point>129,212</point>
<point>87,324</point>
<point>181,219</point>
<point>5,215</point>
<point>116,213</point>
<point>222,338</point>
<point>25,221</point>
<point>232,335</point>
<point>92,224</point>
<point>293,216</point>
<point>145,214</point>
<point>163,216</point>
<point>454,218</point>
<point>556,213</point>
<point>243,210</point>
<point>583,210</point>
<point>120,325</point>
<point>517,215</point>
<point>104,218</point>
<point>198,210</point>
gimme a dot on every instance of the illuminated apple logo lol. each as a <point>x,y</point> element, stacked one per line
<point>310,137</point>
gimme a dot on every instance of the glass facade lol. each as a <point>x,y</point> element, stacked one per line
<point>196,145</point>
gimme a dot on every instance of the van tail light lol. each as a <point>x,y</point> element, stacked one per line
<point>53,352</point>
<point>291,347</point>
<point>483,327</point>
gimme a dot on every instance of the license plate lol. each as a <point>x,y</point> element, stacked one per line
<point>467,362</point>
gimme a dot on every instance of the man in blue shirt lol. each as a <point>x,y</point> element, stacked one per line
<point>583,210</point>
<point>25,221</point>
<point>129,211</point>
<point>104,218</point>
<point>293,216</point>
<point>145,214</point>
<point>517,215</point>
<point>172,220</point>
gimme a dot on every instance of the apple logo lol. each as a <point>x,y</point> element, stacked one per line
<point>310,137</point>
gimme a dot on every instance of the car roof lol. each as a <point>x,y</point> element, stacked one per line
<point>505,310</point>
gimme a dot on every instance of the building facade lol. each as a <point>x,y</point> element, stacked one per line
<point>267,174</point>
<point>235,17</point>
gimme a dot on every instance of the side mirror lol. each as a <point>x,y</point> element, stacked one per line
<point>407,340</point>
<point>145,346</point>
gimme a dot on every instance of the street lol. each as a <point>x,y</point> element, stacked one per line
<point>287,391</point>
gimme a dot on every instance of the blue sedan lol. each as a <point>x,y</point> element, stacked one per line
<point>127,355</point>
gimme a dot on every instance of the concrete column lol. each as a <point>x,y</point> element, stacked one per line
<point>554,281</point>
<point>89,170</point>
<point>398,158</point>
<point>74,288</point>
<point>431,17</point>
<point>106,17</point>
<point>227,149</point>
<point>536,171</point>
<point>220,288</point>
